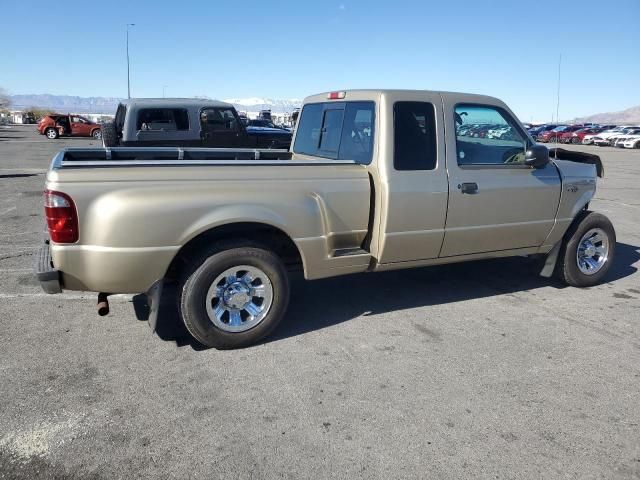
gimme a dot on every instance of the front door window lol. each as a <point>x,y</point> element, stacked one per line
<point>488,136</point>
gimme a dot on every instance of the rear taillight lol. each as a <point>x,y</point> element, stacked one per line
<point>62,219</point>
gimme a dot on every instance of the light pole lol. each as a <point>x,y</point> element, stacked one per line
<point>163,89</point>
<point>128,81</point>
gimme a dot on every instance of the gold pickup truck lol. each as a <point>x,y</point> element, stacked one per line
<point>375,180</point>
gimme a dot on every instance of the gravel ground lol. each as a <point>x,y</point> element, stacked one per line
<point>477,370</point>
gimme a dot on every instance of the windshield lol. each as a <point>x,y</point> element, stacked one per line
<point>559,129</point>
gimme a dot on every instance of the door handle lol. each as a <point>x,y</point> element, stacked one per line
<point>469,188</point>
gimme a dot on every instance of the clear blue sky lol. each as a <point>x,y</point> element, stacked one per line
<point>289,49</point>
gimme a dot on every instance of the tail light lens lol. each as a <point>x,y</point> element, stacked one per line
<point>62,218</point>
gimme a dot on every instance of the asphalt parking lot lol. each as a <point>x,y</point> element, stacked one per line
<point>478,370</point>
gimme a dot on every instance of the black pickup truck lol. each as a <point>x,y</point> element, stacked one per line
<point>184,122</point>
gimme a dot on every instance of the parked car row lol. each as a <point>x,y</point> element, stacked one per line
<point>499,131</point>
<point>623,136</point>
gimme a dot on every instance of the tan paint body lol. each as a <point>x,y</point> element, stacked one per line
<point>134,220</point>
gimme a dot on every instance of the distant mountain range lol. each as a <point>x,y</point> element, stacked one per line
<point>624,117</point>
<point>68,103</point>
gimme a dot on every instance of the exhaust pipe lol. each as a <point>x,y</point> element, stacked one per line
<point>103,304</point>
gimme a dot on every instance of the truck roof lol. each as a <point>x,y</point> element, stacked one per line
<point>176,102</point>
<point>358,94</point>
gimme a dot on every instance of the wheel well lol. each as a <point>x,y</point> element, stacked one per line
<point>270,237</point>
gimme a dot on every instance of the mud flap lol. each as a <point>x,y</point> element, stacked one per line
<point>550,262</point>
<point>154,294</point>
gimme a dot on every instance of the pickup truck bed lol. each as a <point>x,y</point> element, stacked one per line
<point>322,205</point>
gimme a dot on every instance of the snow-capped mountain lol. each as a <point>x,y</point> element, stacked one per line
<point>108,105</point>
<point>255,104</point>
<point>65,103</point>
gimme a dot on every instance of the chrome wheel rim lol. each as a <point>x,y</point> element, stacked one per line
<point>239,298</point>
<point>593,251</point>
<point>51,134</point>
<point>97,134</point>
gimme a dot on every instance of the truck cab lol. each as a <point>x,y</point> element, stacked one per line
<point>438,193</point>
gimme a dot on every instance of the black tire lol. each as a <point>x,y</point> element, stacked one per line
<point>567,267</point>
<point>575,141</point>
<point>51,133</point>
<point>198,276</point>
<point>109,135</point>
<point>97,134</point>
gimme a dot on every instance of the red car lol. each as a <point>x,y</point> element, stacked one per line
<point>58,125</point>
<point>555,135</point>
<point>578,135</point>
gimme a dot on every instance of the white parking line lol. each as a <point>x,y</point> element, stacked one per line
<point>10,209</point>
<point>24,141</point>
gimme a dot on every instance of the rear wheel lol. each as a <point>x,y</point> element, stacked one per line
<point>575,140</point>
<point>51,133</point>
<point>232,298</point>
<point>97,134</point>
<point>587,251</point>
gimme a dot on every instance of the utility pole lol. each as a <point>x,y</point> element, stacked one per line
<point>163,89</point>
<point>558,101</point>
<point>128,79</point>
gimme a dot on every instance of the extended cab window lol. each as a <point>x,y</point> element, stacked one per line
<point>414,136</point>
<point>162,119</point>
<point>218,119</point>
<point>488,135</point>
<point>339,130</point>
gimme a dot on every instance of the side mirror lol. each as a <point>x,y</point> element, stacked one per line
<point>537,156</point>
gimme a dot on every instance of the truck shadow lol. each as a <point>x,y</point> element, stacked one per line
<point>323,303</point>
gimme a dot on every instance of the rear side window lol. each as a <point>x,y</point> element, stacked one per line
<point>343,131</point>
<point>414,136</point>
<point>162,119</point>
<point>308,134</point>
<point>331,131</point>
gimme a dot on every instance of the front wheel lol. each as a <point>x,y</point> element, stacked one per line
<point>51,133</point>
<point>587,251</point>
<point>232,298</point>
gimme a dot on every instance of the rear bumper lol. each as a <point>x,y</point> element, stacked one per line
<point>115,270</point>
<point>47,275</point>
